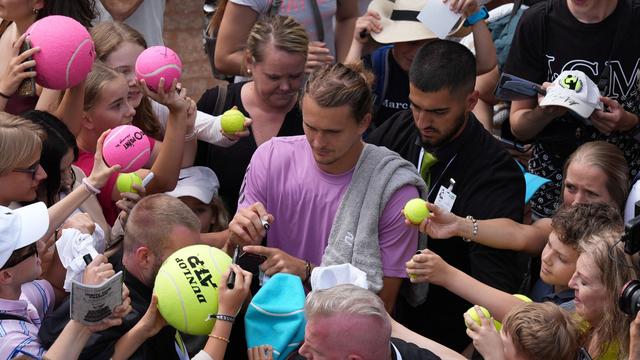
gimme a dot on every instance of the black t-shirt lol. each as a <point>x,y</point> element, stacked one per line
<point>410,351</point>
<point>396,97</point>
<point>489,185</point>
<point>549,40</point>
<point>230,163</point>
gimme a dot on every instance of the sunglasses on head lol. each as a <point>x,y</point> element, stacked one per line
<point>21,255</point>
<point>33,169</point>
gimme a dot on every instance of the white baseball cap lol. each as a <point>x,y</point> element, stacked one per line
<point>199,182</point>
<point>575,91</point>
<point>21,227</point>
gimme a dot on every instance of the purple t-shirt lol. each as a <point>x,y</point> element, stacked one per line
<point>21,337</point>
<point>304,200</point>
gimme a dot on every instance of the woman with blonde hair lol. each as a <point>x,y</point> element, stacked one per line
<point>602,270</point>
<point>275,56</point>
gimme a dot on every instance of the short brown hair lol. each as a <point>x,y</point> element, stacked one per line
<point>153,218</point>
<point>543,331</point>
<point>335,85</point>
<point>571,223</point>
<point>20,142</point>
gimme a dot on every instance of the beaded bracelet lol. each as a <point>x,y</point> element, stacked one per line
<point>474,223</point>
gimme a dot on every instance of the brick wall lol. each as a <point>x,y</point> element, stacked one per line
<point>183,23</point>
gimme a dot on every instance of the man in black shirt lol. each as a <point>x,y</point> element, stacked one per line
<point>488,183</point>
<point>158,226</point>
<point>597,37</point>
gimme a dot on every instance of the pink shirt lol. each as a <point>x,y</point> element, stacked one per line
<point>304,200</point>
<point>21,337</point>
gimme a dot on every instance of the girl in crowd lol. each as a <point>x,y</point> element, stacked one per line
<point>58,153</point>
<point>596,171</point>
<point>275,57</point>
<point>16,17</point>
<point>118,45</point>
<point>106,106</point>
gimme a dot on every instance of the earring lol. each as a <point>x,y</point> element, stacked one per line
<point>248,71</point>
<point>35,11</point>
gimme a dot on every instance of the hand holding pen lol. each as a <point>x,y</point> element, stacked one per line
<point>236,254</point>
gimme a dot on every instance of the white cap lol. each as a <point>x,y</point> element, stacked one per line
<point>575,91</point>
<point>21,227</point>
<point>199,182</point>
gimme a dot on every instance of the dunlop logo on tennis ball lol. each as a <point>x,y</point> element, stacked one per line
<point>197,275</point>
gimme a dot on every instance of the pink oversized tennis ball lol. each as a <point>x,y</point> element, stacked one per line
<point>158,62</point>
<point>127,146</point>
<point>66,51</point>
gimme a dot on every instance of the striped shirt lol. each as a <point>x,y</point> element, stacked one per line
<point>20,337</point>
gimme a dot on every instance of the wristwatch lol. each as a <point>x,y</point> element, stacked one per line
<point>477,16</point>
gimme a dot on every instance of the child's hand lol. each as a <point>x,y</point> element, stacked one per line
<point>230,300</point>
<point>262,352</point>
<point>101,172</point>
<point>175,99</point>
<point>318,55</point>
<point>464,7</point>
<point>240,134</point>
<point>485,337</point>
<point>16,70</point>
<point>427,266</point>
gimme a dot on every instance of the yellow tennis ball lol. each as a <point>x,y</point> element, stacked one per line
<point>232,121</point>
<point>415,210</point>
<point>475,317</point>
<point>523,298</point>
<point>125,182</point>
<point>187,288</point>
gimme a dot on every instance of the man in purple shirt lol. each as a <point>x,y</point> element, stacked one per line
<point>327,196</point>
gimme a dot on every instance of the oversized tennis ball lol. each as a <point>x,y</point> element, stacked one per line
<point>158,62</point>
<point>187,288</point>
<point>127,146</point>
<point>125,182</point>
<point>415,210</point>
<point>474,316</point>
<point>232,121</point>
<point>66,51</point>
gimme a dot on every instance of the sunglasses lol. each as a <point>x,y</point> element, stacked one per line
<point>33,169</point>
<point>21,255</point>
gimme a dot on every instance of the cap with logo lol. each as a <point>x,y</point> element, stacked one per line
<point>575,91</point>
<point>199,182</point>
<point>21,227</point>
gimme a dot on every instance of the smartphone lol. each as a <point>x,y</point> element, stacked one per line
<point>513,145</point>
<point>27,86</point>
<point>247,257</point>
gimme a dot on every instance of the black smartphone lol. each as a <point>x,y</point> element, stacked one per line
<point>513,145</point>
<point>247,257</point>
<point>27,86</point>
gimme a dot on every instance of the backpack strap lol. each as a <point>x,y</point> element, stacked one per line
<point>220,99</point>
<point>380,67</point>
<point>318,19</point>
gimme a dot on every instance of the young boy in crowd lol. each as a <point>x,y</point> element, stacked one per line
<point>570,224</point>
<point>530,331</point>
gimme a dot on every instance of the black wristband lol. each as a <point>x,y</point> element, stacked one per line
<point>227,318</point>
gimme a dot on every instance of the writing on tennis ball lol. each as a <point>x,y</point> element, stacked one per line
<point>232,121</point>
<point>415,210</point>
<point>125,182</point>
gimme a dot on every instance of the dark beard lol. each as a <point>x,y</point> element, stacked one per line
<point>446,138</point>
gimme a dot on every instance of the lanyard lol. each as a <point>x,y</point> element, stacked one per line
<point>441,174</point>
